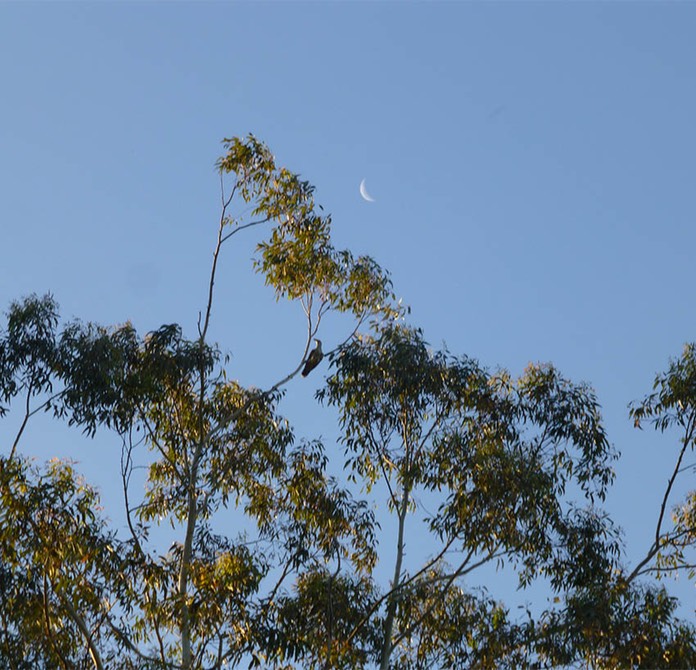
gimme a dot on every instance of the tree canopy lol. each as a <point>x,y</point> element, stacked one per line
<point>514,471</point>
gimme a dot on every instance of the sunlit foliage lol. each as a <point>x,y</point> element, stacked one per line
<point>514,470</point>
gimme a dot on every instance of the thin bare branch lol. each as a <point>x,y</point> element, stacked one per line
<point>126,469</point>
<point>659,539</point>
<point>155,443</point>
<point>226,201</point>
<point>30,412</point>
<point>82,626</point>
<point>27,414</point>
<point>123,637</point>
<point>403,585</point>
<point>449,580</point>
<point>670,568</point>
<point>47,624</point>
<point>238,229</point>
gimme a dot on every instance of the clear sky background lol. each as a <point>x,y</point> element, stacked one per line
<point>532,166</point>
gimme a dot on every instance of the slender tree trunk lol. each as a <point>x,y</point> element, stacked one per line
<point>396,582</point>
<point>192,513</point>
<point>191,520</point>
<point>186,654</point>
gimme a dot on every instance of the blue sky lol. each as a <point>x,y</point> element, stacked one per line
<point>532,166</point>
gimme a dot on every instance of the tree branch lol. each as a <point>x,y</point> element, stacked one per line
<point>80,623</point>
<point>403,585</point>
<point>655,547</point>
<point>126,469</point>
<point>27,414</point>
<point>238,229</point>
<point>131,647</point>
<point>449,580</point>
<point>47,624</point>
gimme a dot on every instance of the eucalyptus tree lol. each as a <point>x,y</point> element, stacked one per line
<point>512,473</point>
<point>94,598</point>
<point>497,456</point>
<point>625,620</point>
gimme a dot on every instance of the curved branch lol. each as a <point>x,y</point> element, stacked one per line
<point>30,412</point>
<point>149,659</point>
<point>221,239</point>
<point>238,229</point>
<point>80,623</point>
<point>126,469</point>
<point>655,547</point>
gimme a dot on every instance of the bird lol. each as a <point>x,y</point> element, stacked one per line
<point>313,359</point>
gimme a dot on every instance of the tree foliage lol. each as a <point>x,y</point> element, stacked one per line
<point>479,470</point>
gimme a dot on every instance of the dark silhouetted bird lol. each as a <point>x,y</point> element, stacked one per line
<point>313,359</point>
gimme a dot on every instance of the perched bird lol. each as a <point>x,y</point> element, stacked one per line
<point>313,359</point>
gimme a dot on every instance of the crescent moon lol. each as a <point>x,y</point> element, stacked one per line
<point>364,193</point>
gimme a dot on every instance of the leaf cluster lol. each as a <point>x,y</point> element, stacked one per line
<point>502,451</point>
<point>298,258</point>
